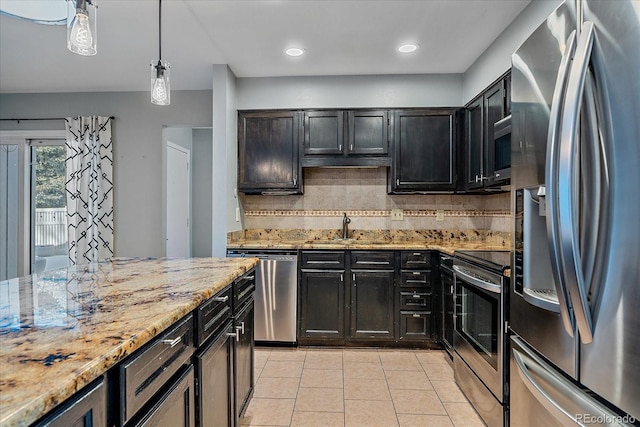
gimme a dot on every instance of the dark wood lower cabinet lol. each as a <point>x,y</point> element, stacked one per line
<point>87,409</point>
<point>243,359</point>
<point>367,297</point>
<point>415,325</point>
<point>214,366</point>
<point>322,304</point>
<point>176,406</point>
<point>372,310</point>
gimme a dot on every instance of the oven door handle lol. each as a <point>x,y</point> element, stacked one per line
<point>482,284</point>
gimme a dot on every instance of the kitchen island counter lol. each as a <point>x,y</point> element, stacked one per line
<point>64,328</point>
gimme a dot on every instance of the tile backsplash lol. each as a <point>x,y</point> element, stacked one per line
<point>362,194</point>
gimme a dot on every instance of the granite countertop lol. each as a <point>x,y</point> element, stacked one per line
<point>62,329</point>
<point>448,247</point>
<point>446,241</point>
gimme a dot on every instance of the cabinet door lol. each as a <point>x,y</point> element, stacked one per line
<point>176,407</point>
<point>214,366</point>
<point>474,143</point>
<point>268,151</point>
<point>368,132</point>
<point>323,132</point>
<point>244,354</point>
<point>372,304</point>
<point>415,325</point>
<point>322,304</point>
<point>86,409</point>
<point>494,105</point>
<point>424,151</point>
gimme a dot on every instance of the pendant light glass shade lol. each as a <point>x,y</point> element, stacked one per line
<point>82,27</point>
<point>160,83</point>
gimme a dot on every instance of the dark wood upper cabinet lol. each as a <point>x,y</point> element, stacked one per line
<point>425,151</point>
<point>368,132</point>
<point>323,132</point>
<point>345,138</point>
<point>481,114</point>
<point>268,160</point>
<point>474,143</point>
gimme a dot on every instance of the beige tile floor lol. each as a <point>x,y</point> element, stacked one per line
<point>356,387</point>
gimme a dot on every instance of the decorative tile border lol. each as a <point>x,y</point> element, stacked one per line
<point>377,213</point>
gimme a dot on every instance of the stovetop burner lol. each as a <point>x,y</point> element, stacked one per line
<point>498,261</point>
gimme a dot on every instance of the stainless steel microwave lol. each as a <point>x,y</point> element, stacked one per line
<point>500,150</point>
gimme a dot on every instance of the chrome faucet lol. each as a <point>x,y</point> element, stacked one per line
<point>345,226</point>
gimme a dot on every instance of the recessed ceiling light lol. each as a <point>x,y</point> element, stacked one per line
<point>294,51</point>
<point>408,48</point>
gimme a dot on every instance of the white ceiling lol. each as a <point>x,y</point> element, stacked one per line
<point>353,37</point>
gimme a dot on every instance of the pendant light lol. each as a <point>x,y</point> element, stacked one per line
<point>81,27</point>
<point>160,71</point>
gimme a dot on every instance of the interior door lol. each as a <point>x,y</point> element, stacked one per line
<point>178,201</point>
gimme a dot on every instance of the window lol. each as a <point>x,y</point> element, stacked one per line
<point>32,202</point>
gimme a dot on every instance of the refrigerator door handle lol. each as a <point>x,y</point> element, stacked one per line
<point>568,190</point>
<point>551,178</point>
<point>560,397</point>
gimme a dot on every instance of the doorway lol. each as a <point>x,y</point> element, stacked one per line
<point>178,220</point>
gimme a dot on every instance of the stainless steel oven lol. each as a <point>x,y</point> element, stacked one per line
<point>480,338</point>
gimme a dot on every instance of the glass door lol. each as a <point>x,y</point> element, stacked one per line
<point>478,320</point>
<point>32,202</point>
<point>48,205</point>
<point>10,211</point>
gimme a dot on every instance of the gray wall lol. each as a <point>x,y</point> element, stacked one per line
<point>225,118</point>
<point>433,90</point>
<point>496,60</point>
<point>202,188</point>
<point>137,149</point>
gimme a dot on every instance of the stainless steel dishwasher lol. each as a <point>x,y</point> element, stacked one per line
<point>276,294</point>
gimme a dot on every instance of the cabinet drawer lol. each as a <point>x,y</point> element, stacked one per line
<point>415,260</point>
<point>212,315</point>
<point>415,279</point>
<point>372,260</point>
<point>150,368</point>
<point>416,300</point>
<point>415,325</point>
<point>243,289</point>
<point>322,260</point>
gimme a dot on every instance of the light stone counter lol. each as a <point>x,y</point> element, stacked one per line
<point>62,329</point>
<point>446,241</point>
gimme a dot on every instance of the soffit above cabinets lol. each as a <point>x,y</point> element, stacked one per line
<point>339,38</point>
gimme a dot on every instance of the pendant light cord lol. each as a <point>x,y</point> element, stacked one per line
<point>159,30</point>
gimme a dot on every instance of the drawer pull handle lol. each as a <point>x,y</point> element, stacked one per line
<point>416,273</point>
<point>416,315</point>
<point>232,335</point>
<point>417,253</point>
<point>172,343</point>
<point>221,299</point>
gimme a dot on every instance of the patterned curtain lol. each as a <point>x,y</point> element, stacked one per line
<point>89,187</point>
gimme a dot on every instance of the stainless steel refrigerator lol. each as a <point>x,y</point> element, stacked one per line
<point>575,290</point>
